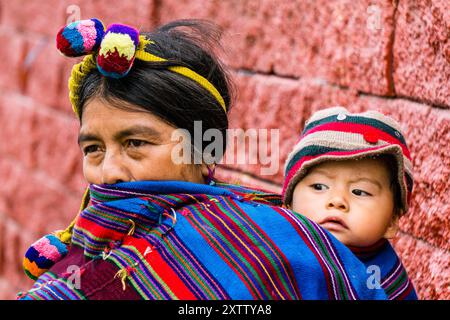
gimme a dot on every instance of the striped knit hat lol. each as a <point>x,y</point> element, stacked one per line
<point>336,134</point>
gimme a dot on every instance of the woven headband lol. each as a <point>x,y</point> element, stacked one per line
<point>117,47</point>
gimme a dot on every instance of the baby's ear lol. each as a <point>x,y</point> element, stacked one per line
<point>392,229</point>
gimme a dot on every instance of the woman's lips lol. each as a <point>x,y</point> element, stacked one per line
<point>333,224</point>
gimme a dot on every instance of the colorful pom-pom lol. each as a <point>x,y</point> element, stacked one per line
<point>43,254</point>
<point>117,50</point>
<point>80,37</point>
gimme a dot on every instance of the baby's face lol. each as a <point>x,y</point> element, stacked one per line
<point>352,199</point>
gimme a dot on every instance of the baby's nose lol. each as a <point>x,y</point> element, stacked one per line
<point>338,202</point>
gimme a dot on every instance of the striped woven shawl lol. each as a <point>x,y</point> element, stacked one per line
<point>180,240</point>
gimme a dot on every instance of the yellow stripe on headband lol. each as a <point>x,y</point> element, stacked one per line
<point>201,81</point>
<point>79,71</point>
<point>143,55</point>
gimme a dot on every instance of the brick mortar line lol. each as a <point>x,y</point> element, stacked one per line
<point>390,55</point>
<point>323,81</point>
<point>424,101</point>
<point>156,16</point>
<point>424,242</point>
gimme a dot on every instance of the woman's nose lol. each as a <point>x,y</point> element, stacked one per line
<point>113,169</point>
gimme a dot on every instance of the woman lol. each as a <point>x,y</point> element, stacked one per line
<point>154,227</point>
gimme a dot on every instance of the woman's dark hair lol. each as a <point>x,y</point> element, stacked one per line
<point>174,98</point>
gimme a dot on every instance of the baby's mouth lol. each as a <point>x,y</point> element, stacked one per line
<point>333,223</point>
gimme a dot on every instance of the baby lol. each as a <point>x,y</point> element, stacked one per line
<point>352,174</point>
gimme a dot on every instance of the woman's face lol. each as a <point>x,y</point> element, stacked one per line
<point>123,145</point>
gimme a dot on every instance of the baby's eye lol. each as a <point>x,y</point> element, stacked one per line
<point>319,186</point>
<point>359,192</point>
<point>90,149</point>
<point>135,143</point>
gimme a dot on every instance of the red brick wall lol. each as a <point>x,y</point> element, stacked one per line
<point>289,58</point>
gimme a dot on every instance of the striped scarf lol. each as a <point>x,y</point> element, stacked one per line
<point>181,240</point>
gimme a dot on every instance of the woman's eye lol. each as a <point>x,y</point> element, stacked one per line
<point>90,149</point>
<point>319,186</point>
<point>134,143</point>
<point>360,192</point>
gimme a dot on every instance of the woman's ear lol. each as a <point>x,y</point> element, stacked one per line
<point>392,229</point>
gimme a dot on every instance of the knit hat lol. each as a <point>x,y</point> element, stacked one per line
<point>335,134</point>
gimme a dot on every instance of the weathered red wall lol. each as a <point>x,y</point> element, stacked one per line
<point>289,58</point>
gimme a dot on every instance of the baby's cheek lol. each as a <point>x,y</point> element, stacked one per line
<point>365,234</point>
<point>345,239</point>
<point>309,211</point>
<point>313,207</point>
<point>312,215</point>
